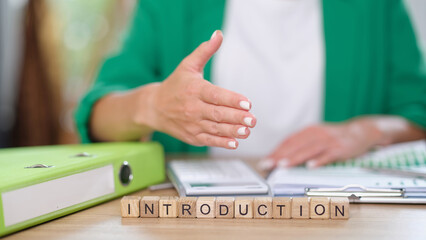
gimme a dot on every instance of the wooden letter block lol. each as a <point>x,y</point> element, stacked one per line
<point>149,206</point>
<point>281,207</point>
<point>187,207</point>
<point>339,208</point>
<point>262,207</point>
<point>300,208</point>
<point>206,207</point>
<point>243,207</point>
<point>130,206</point>
<point>320,208</point>
<point>168,207</point>
<point>224,207</point>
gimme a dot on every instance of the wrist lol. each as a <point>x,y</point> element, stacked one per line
<point>143,114</point>
<point>369,130</point>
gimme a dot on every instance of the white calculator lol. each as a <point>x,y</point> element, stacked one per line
<point>215,178</point>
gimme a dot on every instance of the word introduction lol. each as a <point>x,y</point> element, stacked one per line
<point>239,207</point>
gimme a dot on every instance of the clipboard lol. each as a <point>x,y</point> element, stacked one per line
<point>359,194</point>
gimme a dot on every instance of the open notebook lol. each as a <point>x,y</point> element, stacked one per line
<point>294,181</point>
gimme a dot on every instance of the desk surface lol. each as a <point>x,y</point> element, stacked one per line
<point>372,221</point>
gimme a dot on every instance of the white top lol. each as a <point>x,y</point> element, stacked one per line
<point>273,53</point>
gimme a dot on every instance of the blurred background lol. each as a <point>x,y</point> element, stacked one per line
<point>50,51</point>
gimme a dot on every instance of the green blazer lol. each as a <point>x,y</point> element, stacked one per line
<point>373,64</point>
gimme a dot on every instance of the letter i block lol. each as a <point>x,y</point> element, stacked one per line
<point>281,207</point>
<point>243,207</point>
<point>149,206</point>
<point>224,207</point>
<point>206,207</point>
<point>187,207</point>
<point>262,207</point>
<point>339,208</point>
<point>168,207</point>
<point>320,208</point>
<point>300,208</point>
<point>130,206</point>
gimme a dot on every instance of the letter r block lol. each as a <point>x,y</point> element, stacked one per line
<point>187,207</point>
<point>262,207</point>
<point>149,206</point>
<point>224,207</point>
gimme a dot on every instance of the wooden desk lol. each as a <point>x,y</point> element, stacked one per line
<point>369,221</point>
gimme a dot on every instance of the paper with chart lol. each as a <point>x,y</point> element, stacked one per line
<point>292,182</point>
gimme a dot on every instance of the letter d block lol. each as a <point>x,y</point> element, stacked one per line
<point>300,208</point>
<point>262,207</point>
<point>339,208</point>
<point>320,208</point>
<point>243,207</point>
<point>224,207</point>
<point>187,207</point>
<point>206,207</point>
<point>168,207</point>
<point>130,206</point>
<point>149,206</point>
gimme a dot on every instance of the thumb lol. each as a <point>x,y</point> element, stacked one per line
<point>202,54</point>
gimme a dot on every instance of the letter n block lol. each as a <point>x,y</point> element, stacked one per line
<point>149,206</point>
<point>281,207</point>
<point>320,208</point>
<point>130,206</point>
<point>300,208</point>
<point>243,207</point>
<point>168,207</point>
<point>339,208</point>
<point>224,207</point>
<point>262,207</point>
<point>206,207</point>
<point>187,207</point>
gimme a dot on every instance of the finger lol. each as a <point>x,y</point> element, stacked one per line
<point>202,54</point>
<point>219,96</point>
<point>305,154</point>
<point>216,141</point>
<point>225,130</point>
<point>223,114</point>
<point>323,159</point>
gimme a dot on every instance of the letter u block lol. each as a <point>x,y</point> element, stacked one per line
<point>243,207</point>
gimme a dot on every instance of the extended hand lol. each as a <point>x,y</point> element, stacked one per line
<point>195,111</point>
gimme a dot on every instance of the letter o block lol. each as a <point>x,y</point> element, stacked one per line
<point>320,208</point>
<point>224,207</point>
<point>262,207</point>
<point>206,207</point>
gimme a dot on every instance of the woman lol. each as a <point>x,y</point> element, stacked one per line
<point>328,80</point>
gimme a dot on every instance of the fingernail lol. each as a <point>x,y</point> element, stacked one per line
<point>311,164</point>
<point>248,121</point>
<point>245,105</point>
<point>283,163</point>
<point>213,35</point>
<point>266,164</point>
<point>242,131</point>
<point>232,144</point>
